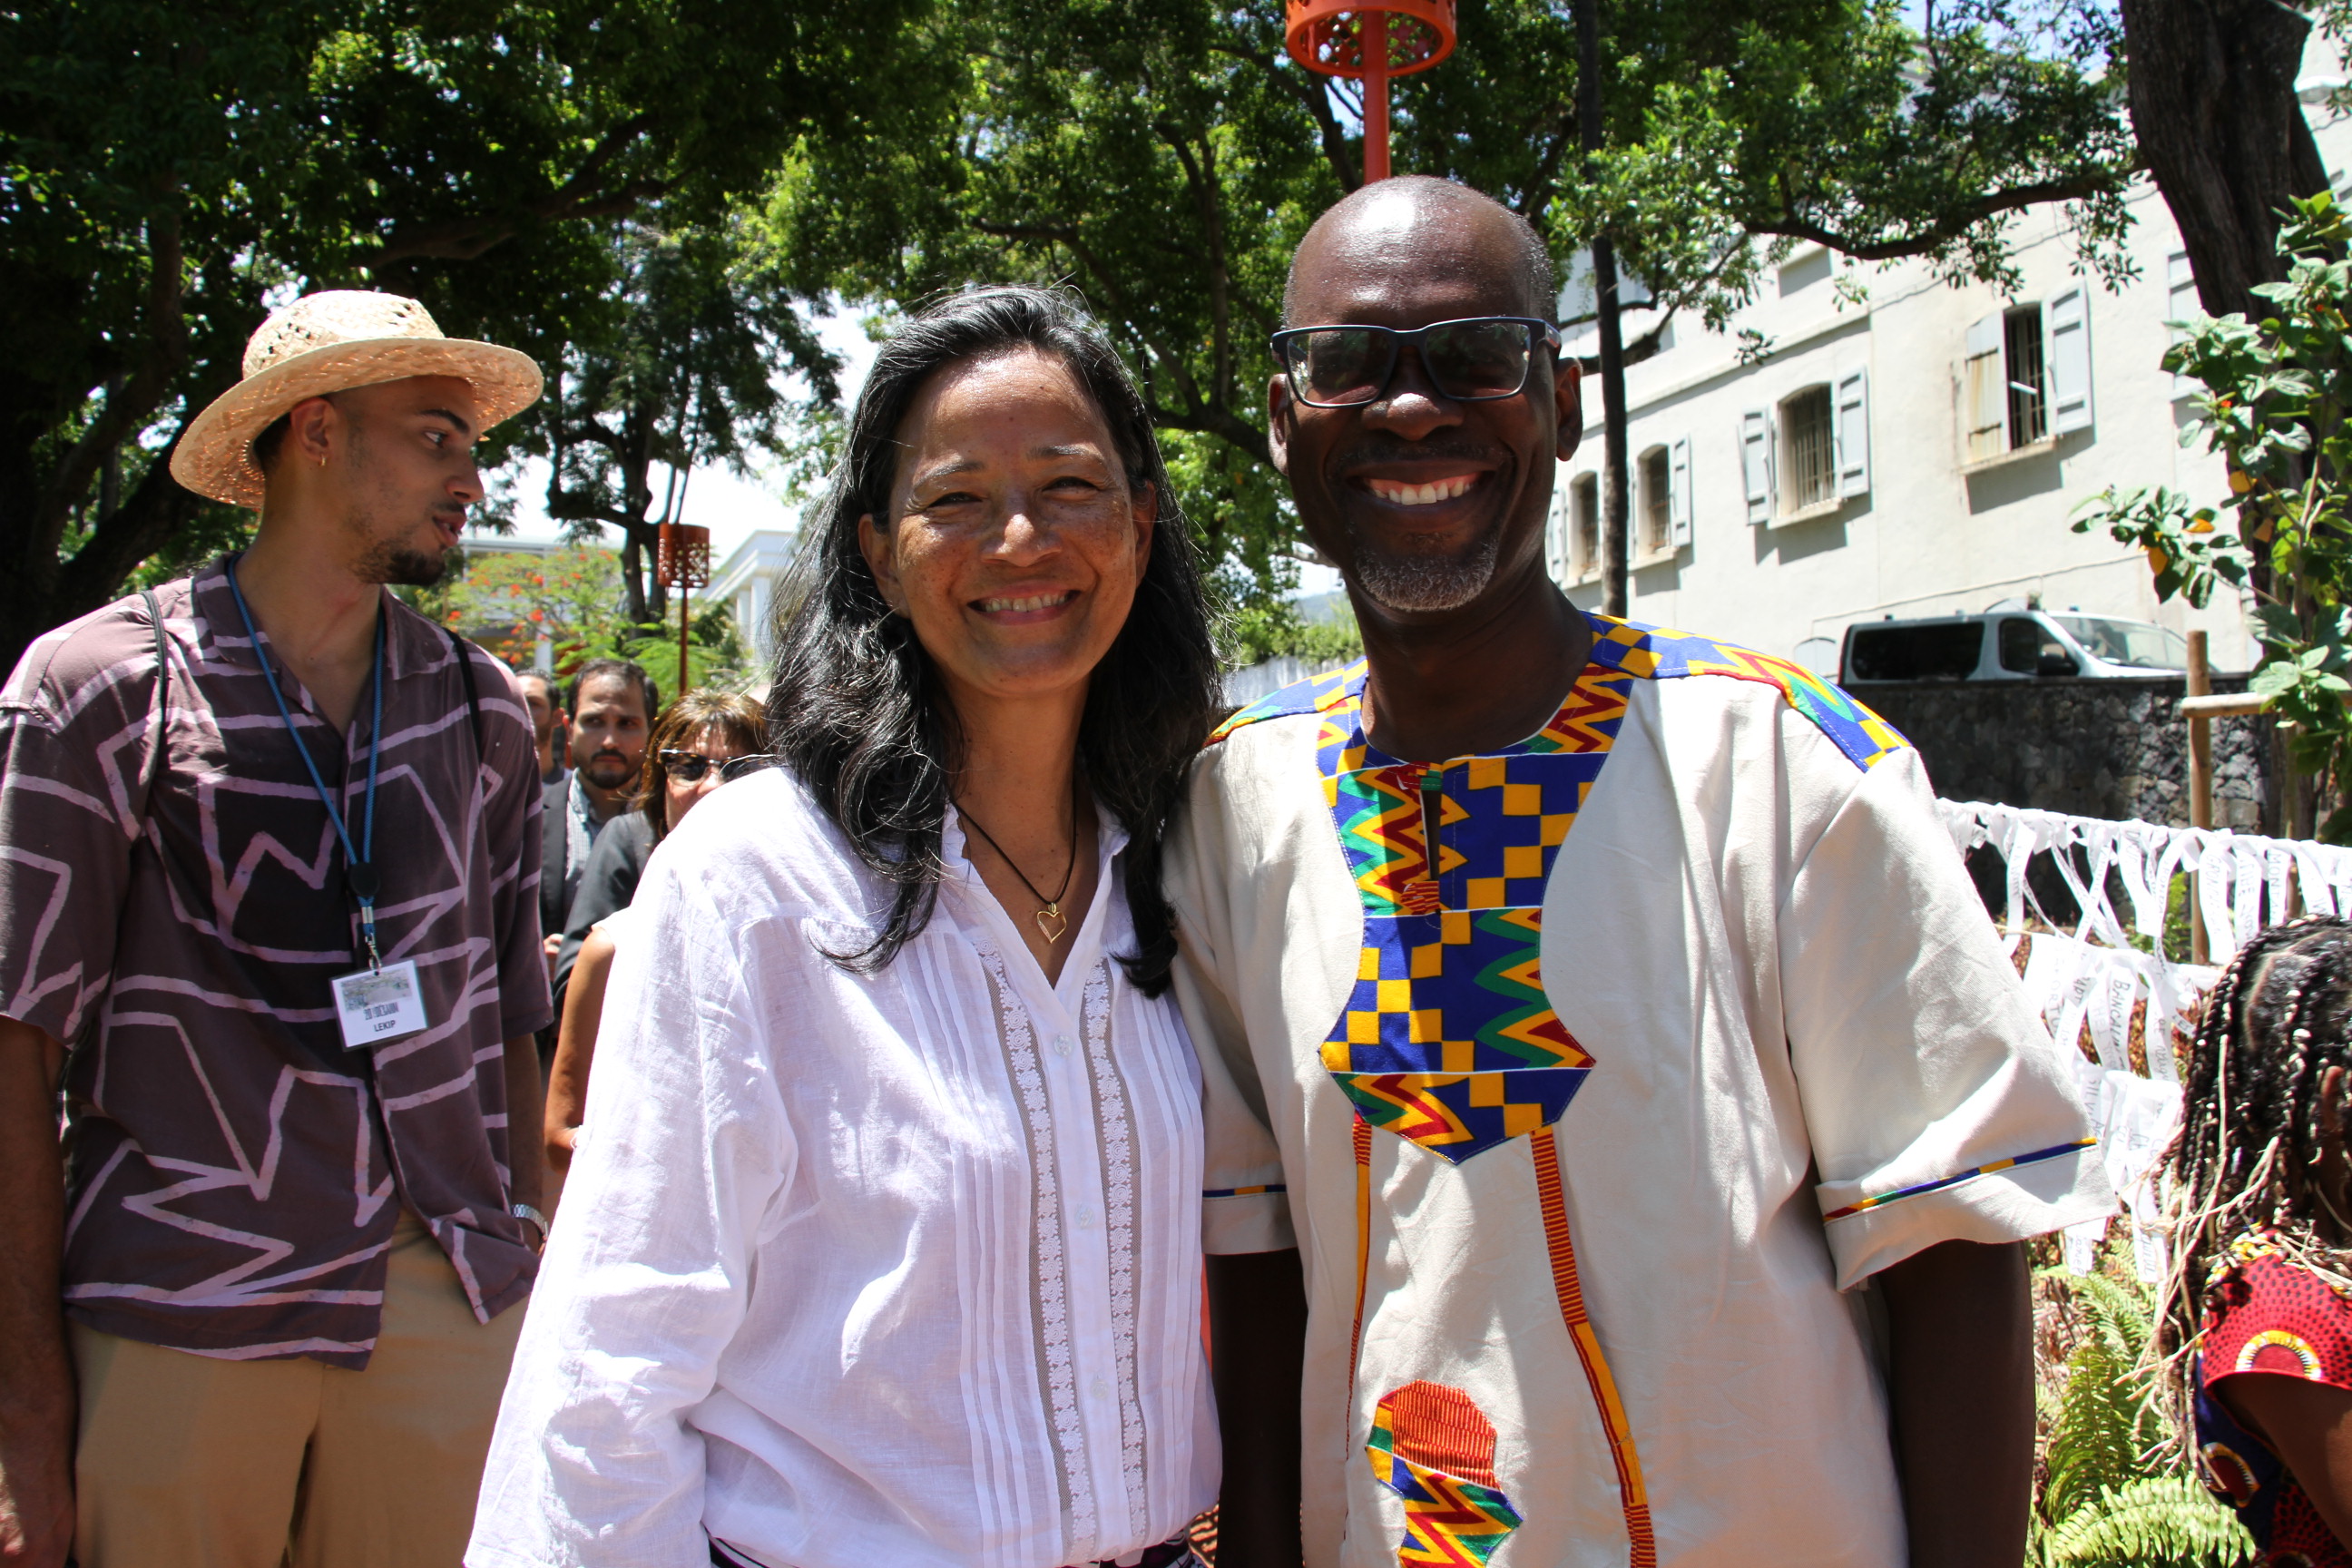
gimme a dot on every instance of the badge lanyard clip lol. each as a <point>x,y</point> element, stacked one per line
<point>359,864</point>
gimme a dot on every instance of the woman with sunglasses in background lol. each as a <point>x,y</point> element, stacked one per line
<point>700,741</point>
<point>885,1246</point>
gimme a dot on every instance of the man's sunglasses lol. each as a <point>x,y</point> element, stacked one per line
<point>687,767</point>
<point>1476,359</point>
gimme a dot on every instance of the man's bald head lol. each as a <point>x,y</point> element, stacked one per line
<point>1421,222</point>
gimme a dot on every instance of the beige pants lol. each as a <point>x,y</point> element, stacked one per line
<point>189,1461</point>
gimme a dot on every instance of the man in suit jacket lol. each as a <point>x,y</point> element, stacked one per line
<point>612,703</point>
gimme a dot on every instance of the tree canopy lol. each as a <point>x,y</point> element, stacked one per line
<point>168,171</point>
<point>1165,160</point>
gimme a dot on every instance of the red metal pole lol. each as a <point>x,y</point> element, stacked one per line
<point>684,594</point>
<point>1376,96</point>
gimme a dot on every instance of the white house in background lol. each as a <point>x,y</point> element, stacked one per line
<point>748,580</point>
<point>1916,453</point>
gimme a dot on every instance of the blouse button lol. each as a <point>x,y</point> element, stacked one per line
<point>1062,1044</point>
<point>1085,1217</point>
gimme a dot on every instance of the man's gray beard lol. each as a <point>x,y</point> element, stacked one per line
<point>1427,582</point>
<point>399,565</point>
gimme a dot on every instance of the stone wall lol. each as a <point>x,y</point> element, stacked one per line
<point>2111,749</point>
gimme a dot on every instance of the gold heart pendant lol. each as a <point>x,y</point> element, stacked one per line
<point>1052,923</point>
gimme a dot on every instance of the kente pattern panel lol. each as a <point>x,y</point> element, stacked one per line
<point>1447,1039</point>
<point>1435,1449</point>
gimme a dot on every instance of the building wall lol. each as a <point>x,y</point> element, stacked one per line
<point>748,580</point>
<point>1933,532</point>
<point>2112,749</point>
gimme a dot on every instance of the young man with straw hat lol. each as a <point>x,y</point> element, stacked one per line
<point>268,866</point>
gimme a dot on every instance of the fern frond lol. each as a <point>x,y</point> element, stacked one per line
<point>2155,1522</point>
<point>2103,1427</point>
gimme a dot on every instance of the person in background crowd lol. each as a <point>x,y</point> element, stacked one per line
<point>2255,1319</point>
<point>884,1244</point>
<point>614,866</point>
<point>703,740</point>
<point>546,724</point>
<point>271,854</point>
<point>611,712</point>
<point>1615,1005</point>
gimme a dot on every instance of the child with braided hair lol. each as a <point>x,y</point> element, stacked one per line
<point>2256,1315</point>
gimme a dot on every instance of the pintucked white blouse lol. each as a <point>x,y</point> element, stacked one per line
<point>902,1267</point>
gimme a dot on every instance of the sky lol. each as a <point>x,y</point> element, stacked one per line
<point>732,506</point>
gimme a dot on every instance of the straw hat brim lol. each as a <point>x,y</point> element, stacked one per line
<point>215,457</point>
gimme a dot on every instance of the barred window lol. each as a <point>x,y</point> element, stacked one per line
<point>1808,456</point>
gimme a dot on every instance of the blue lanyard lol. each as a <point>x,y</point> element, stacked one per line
<point>359,864</point>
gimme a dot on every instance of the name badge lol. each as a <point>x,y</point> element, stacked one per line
<point>379,1005</point>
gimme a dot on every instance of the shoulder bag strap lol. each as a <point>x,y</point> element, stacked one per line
<point>473,691</point>
<point>159,713</point>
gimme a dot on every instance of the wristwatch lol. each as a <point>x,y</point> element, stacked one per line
<point>532,1217</point>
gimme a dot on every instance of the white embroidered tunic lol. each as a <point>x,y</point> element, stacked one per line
<point>902,1267</point>
<point>1590,1124</point>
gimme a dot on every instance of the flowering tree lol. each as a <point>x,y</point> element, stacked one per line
<point>507,600</point>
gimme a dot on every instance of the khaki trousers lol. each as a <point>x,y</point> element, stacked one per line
<point>189,1461</point>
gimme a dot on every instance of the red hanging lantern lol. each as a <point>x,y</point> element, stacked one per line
<point>1370,43</point>
<point>682,563</point>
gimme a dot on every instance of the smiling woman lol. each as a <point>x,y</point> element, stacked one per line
<point>887,1242</point>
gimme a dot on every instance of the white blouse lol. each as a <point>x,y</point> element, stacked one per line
<point>902,1267</point>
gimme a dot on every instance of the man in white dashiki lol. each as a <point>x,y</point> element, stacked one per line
<point>1657,1151</point>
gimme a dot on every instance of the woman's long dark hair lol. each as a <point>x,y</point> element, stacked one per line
<point>2278,1017</point>
<point>858,711</point>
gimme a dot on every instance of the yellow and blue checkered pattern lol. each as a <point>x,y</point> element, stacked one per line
<point>1448,1039</point>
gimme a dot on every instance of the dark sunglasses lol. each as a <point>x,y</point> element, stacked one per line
<point>1476,360</point>
<point>687,767</point>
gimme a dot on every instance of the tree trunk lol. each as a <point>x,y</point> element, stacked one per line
<point>1616,536</point>
<point>2213,107</point>
<point>148,520</point>
<point>1616,544</point>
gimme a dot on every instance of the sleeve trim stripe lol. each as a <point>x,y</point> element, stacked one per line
<point>1245,1192</point>
<point>2055,1152</point>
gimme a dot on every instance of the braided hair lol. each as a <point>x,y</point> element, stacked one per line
<point>2276,1020</point>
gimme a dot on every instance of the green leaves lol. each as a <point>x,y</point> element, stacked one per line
<point>2154,1521</point>
<point>168,171</point>
<point>1165,160</point>
<point>2184,551</point>
<point>2107,1498</point>
<point>2272,403</point>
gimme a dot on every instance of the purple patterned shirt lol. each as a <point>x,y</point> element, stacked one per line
<point>235,1172</point>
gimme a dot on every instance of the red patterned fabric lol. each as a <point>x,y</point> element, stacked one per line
<point>2268,1316</point>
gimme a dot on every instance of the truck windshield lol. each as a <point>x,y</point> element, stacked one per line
<point>1932,650</point>
<point>2134,643</point>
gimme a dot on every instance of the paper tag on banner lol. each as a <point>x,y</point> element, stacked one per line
<point>379,1005</point>
<point>2083,1245</point>
<point>2148,1253</point>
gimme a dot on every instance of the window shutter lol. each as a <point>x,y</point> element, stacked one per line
<point>1756,463</point>
<point>1678,493</point>
<point>2182,310</point>
<point>1852,415</point>
<point>1984,403</point>
<point>1556,537</point>
<point>2068,321</point>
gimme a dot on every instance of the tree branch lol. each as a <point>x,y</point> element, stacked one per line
<point>1307,88</point>
<point>144,523</point>
<point>128,406</point>
<point>1945,230</point>
<point>464,239</point>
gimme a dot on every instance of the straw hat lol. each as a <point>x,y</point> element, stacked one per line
<point>328,343</point>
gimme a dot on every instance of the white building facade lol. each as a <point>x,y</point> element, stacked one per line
<point>748,582</point>
<point>1919,451</point>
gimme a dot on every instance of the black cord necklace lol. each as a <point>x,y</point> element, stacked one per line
<point>1051,921</point>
